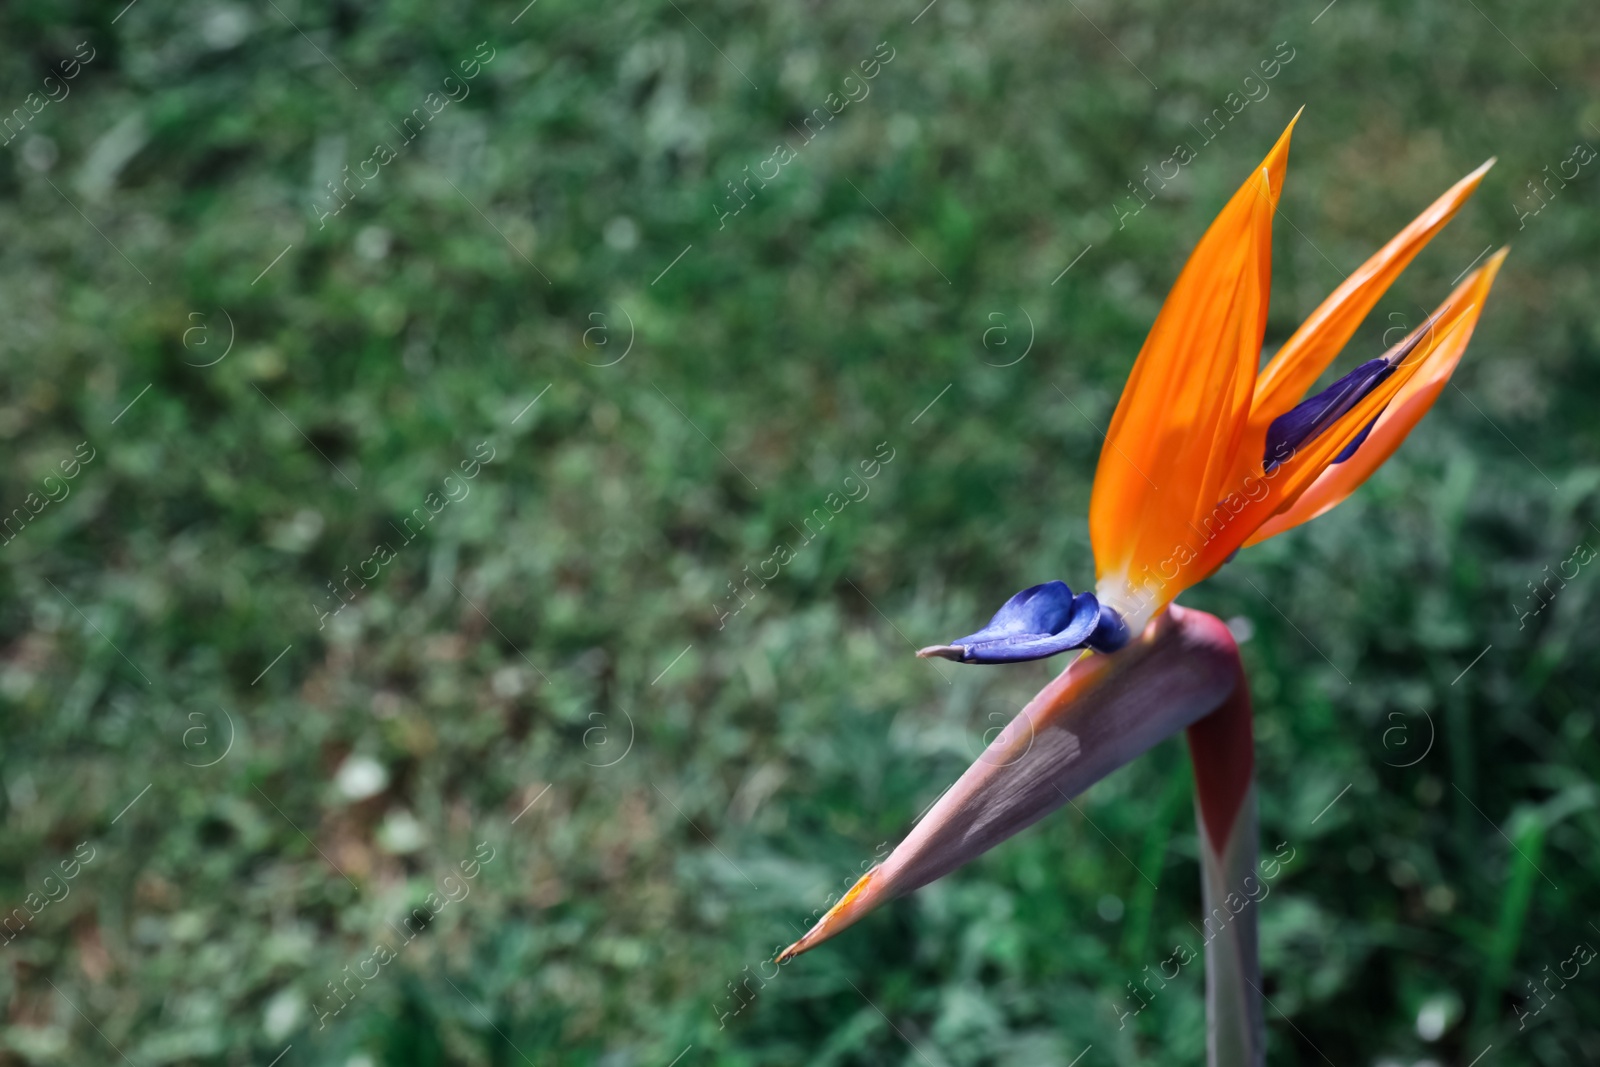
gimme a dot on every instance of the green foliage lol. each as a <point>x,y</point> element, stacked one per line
<point>552,666</point>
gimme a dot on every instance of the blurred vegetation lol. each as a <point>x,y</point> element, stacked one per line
<point>700,784</point>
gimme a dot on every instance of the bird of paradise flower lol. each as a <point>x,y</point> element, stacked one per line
<point>1203,457</point>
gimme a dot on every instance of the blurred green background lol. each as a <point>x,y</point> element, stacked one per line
<point>550,673</point>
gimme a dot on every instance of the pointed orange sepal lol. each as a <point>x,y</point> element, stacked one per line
<point>1246,510</point>
<point>1175,436</point>
<point>1313,347</point>
<point>1457,318</point>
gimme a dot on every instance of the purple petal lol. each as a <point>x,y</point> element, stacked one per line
<point>1038,622</point>
<point>1356,442</point>
<point>1309,418</point>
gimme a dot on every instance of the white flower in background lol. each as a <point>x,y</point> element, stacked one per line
<point>225,25</point>
<point>283,1014</point>
<point>401,832</point>
<point>373,242</point>
<point>622,233</point>
<point>507,682</point>
<point>1438,1013</point>
<point>360,777</point>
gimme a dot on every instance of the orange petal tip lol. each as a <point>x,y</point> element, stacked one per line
<point>851,907</point>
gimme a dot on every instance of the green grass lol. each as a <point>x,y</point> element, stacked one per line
<point>700,784</point>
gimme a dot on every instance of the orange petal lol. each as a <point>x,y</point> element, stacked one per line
<point>1406,409</point>
<point>1303,358</point>
<point>1175,437</point>
<point>1258,497</point>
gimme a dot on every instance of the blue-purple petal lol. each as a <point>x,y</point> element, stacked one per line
<point>1040,621</point>
<point>1111,633</point>
<point>1358,440</point>
<point>1312,416</point>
